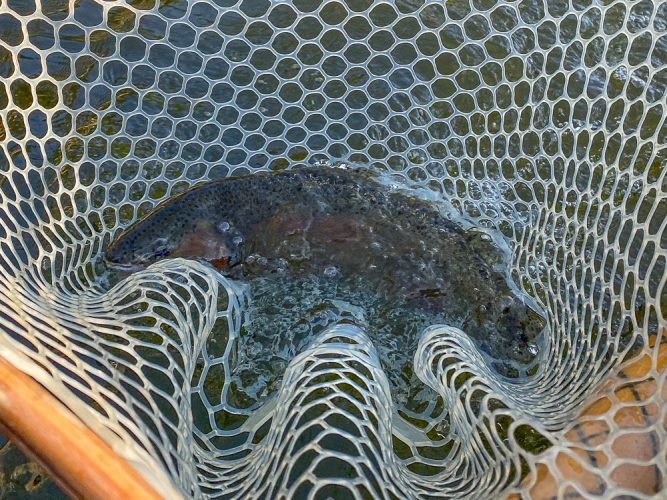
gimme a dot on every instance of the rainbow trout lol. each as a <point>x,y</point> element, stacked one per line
<point>379,246</point>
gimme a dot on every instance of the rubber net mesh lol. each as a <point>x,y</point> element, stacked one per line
<point>543,120</point>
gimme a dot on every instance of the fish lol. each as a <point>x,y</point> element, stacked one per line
<point>348,225</point>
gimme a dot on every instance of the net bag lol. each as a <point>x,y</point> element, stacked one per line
<point>542,120</point>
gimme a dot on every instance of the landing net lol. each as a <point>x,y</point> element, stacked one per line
<point>542,120</point>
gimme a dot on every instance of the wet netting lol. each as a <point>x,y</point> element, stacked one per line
<point>543,120</point>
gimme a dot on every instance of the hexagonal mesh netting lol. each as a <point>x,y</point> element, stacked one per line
<point>542,119</point>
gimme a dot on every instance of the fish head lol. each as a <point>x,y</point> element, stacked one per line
<point>144,243</point>
<point>170,235</point>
